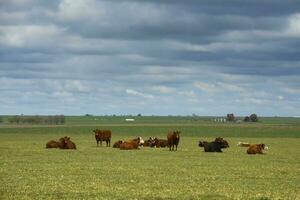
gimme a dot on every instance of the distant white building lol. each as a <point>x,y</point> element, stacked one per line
<point>222,120</point>
<point>129,120</point>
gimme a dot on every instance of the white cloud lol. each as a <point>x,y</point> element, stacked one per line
<point>140,94</point>
<point>163,89</point>
<point>79,10</point>
<point>280,98</point>
<point>30,35</point>
<point>214,47</point>
<point>206,87</point>
<point>218,87</point>
<point>76,85</point>
<point>293,29</point>
<point>190,94</point>
<point>291,90</point>
<point>231,87</point>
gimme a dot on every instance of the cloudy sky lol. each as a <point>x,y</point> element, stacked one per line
<point>152,57</point>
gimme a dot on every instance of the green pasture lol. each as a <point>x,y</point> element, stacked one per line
<point>29,171</point>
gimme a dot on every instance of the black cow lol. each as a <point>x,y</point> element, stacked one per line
<point>215,146</point>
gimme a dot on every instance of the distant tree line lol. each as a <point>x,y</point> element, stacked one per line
<point>21,119</point>
<point>252,118</point>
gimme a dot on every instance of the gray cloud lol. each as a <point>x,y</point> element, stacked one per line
<point>152,57</point>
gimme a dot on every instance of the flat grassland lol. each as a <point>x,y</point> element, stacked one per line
<point>30,171</point>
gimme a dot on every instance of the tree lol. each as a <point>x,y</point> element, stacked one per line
<point>1,119</point>
<point>247,119</point>
<point>253,118</point>
<point>230,117</point>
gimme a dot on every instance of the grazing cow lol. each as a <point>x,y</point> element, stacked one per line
<point>117,144</point>
<point>102,135</point>
<point>173,139</point>
<point>215,146</point>
<point>149,143</point>
<point>161,142</point>
<point>66,143</point>
<point>256,148</point>
<point>52,144</point>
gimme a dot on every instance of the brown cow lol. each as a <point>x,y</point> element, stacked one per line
<point>138,140</point>
<point>62,143</point>
<point>52,144</point>
<point>70,144</point>
<point>117,144</point>
<point>102,135</point>
<point>173,139</point>
<point>160,142</point>
<point>131,144</point>
<point>256,148</point>
<point>66,143</point>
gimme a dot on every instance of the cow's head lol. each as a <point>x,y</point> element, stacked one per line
<point>176,134</point>
<point>152,141</point>
<point>141,141</point>
<point>262,146</point>
<point>201,144</point>
<point>222,142</point>
<point>63,141</point>
<point>95,131</point>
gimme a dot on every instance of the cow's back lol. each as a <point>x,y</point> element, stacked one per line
<point>103,135</point>
<point>129,145</point>
<point>52,144</point>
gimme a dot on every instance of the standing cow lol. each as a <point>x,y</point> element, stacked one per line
<point>173,139</point>
<point>102,135</point>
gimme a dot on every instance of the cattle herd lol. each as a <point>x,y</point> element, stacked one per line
<point>171,142</point>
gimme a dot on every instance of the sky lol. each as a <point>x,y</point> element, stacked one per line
<point>167,57</point>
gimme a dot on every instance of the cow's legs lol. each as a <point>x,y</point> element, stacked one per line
<point>97,143</point>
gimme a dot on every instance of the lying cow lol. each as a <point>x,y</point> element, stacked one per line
<point>256,148</point>
<point>66,143</point>
<point>132,144</point>
<point>149,143</point>
<point>102,135</point>
<point>52,144</point>
<point>62,143</point>
<point>215,146</point>
<point>253,148</point>
<point>161,143</point>
<point>117,144</point>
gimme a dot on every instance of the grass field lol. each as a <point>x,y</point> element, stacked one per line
<point>29,171</point>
